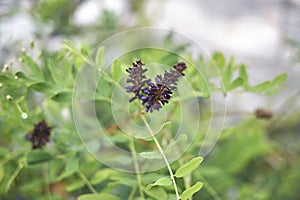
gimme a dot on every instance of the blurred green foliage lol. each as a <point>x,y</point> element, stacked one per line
<point>254,159</point>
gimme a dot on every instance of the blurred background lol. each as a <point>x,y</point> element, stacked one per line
<point>262,34</point>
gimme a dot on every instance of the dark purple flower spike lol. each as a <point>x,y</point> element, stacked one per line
<point>40,135</point>
<point>153,96</point>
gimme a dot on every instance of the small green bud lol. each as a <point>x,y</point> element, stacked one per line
<point>24,115</point>
<point>32,44</point>
<point>23,52</point>
<point>39,54</point>
<point>5,68</point>
<point>21,59</point>
<point>9,98</point>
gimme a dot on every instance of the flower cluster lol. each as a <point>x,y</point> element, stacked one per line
<point>153,95</point>
<point>40,135</point>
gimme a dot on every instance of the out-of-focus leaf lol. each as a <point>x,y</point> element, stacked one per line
<point>75,185</point>
<point>38,156</point>
<point>45,87</point>
<point>236,83</point>
<point>107,78</point>
<point>188,167</point>
<point>84,52</point>
<point>25,78</point>
<point>270,87</point>
<point>170,59</point>
<point>160,182</point>
<point>100,176</point>
<point>65,97</point>
<point>98,196</point>
<point>72,163</point>
<point>52,68</point>
<point>69,46</point>
<point>100,57</point>
<point>243,74</point>
<point>173,146</point>
<point>151,177</point>
<point>219,60</point>
<point>34,68</point>
<point>5,78</point>
<point>192,190</point>
<point>116,71</point>
<point>277,82</point>
<point>279,79</point>
<point>261,87</point>
<point>227,76</point>
<point>157,193</point>
<point>150,155</point>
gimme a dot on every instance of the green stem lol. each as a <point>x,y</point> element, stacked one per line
<point>210,189</point>
<point>9,157</point>
<point>186,179</point>
<point>132,193</point>
<point>46,179</point>
<point>136,167</point>
<point>15,174</point>
<point>86,181</point>
<point>162,154</point>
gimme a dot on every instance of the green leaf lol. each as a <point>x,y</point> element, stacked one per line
<point>52,67</point>
<point>72,164</point>
<point>25,78</point>
<point>64,97</point>
<point>34,68</point>
<point>100,57</point>
<point>116,71</point>
<point>188,167</point>
<point>5,78</point>
<point>192,190</point>
<point>106,77</point>
<point>227,76</point>
<point>279,80</point>
<point>236,83</point>
<point>160,182</point>
<point>157,193</point>
<point>44,87</point>
<point>84,52</point>
<point>219,60</point>
<point>173,145</point>
<point>74,185</point>
<point>97,196</point>
<point>243,74</point>
<point>269,87</point>
<point>150,178</point>
<point>260,87</point>
<point>202,84</point>
<point>150,155</point>
<point>100,176</point>
<point>276,83</point>
<point>170,59</point>
<point>69,46</point>
<point>38,156</point>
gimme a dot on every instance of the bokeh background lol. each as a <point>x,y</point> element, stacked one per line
<point>262,34</point>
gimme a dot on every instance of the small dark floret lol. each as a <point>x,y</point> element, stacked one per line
<point>137,78</point>
<point>153,96</point>
<point>40,135</point>
<point>261,113</point>
<point>180,67</point>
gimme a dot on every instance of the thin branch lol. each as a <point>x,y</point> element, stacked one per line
<point>86,181</point>
<point>162,154</point>
<point>136,167</point>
